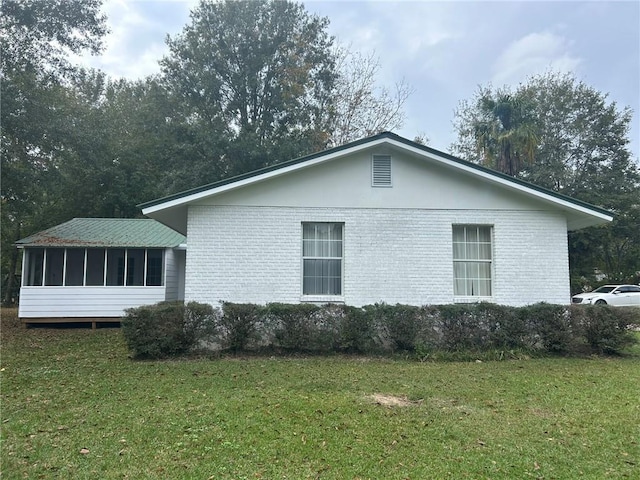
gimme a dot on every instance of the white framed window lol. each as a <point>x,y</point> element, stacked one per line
<point>322,259</point>
<point>381,171</point>
<point>472,261</point>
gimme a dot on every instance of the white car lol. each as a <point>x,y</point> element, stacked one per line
<point>616,295</point>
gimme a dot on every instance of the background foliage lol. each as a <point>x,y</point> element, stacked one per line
<point>561,134</point>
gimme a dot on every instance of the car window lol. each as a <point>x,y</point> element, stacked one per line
<point>606,289</point>
<point>633,289</point>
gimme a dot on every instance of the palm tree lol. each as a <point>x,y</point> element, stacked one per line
<point>505,134</point>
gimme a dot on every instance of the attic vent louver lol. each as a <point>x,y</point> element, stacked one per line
<point>381,171</point>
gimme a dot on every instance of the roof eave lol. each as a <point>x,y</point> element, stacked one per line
<point>599,215</point>
<point>217,188</point>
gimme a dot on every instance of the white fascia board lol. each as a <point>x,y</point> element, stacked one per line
<point>505,182</point>
<point>258,178</point>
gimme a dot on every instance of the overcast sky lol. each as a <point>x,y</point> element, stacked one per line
<point>444,50</point>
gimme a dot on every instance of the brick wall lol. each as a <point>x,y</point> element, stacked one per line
<point>253,254</point>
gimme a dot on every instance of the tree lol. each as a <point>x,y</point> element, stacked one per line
<point>258,74</point>
<point>116,156</point>
<point>36,38</point>
<point>361,108</point>
<point>581,150</point>
<point>263,82</point>
<point>498,130</point>
<point>583,147</point>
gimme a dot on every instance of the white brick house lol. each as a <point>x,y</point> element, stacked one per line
<point>378,220</point>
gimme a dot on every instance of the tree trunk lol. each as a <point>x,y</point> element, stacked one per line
<point>11,282</point>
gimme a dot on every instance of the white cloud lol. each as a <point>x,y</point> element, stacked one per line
<point>533,54</point>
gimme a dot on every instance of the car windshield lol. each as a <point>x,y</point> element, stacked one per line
<point>606,289</point>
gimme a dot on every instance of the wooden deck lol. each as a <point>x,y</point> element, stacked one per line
<point>57,320</point>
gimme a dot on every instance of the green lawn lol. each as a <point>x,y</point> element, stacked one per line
<point>75,406</point>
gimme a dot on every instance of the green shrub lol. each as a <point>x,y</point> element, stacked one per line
<point>398,326</point>
<point>239,324</point>
<point>462,328</point>
<point>166,329</point>
<point>606,329</point>
<point>549,328</point>
<point>430,332</point>
<point>327,323</point>
<point>357,332</point>
<point>507,330</point>
<point>293,325</point>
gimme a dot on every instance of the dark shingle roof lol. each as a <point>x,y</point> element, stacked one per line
<point>106,232</point>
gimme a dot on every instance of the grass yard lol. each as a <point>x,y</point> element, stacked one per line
<point>75,406</point>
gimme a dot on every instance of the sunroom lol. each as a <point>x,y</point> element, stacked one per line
<point>92,269</point>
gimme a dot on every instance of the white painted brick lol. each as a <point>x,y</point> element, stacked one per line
<point>253,254</point>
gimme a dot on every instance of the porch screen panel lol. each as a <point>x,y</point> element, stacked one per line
<point>54,266</point>
<point>74,275</point>
<point>322,258</point>
<point>115,266</point>
<point>95,267</point>
<point>34,265</point>
<point>135,267</point>
<point>154,268</point>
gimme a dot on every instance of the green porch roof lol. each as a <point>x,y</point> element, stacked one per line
<point>106,232</point>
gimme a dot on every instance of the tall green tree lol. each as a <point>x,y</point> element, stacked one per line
<point>580,148</point>
<point>36,38</point>
<point>258,74</point>
<point>115,156</point>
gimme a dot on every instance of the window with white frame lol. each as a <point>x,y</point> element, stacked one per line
<point>322,258</point>
<point>472,260</point>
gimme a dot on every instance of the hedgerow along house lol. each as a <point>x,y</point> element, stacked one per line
<point>92,269</point>
<point>382,219</point>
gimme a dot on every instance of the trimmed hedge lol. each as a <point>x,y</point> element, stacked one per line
<point>169,329</point>
<point>238,325</point>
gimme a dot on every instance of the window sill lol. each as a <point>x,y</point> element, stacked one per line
<point>473,300</point>
<point>322,299</point>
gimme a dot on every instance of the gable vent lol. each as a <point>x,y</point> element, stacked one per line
<point>381,171</point>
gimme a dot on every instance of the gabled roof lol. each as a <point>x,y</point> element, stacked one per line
<point>172,205</point>
<point>106,232</point>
